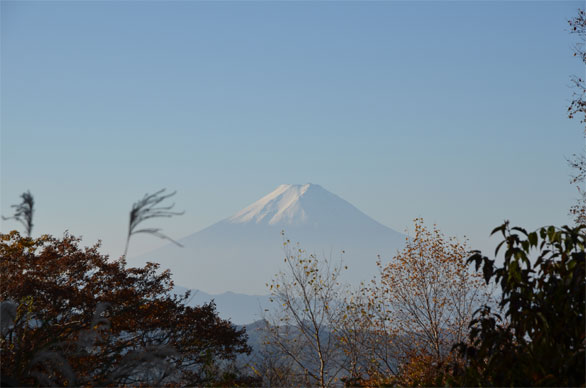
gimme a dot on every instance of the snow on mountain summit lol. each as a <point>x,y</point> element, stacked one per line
<point>285,205</point>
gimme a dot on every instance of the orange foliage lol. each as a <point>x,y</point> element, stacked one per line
<point>72,316</point>
<point>423,302</point>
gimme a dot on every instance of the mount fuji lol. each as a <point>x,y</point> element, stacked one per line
<point>243,252</point>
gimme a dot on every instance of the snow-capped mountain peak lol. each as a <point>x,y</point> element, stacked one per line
<point>282,206</point>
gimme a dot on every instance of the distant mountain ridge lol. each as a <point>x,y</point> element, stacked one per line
<point>244,252</point>
<point>240,309</point>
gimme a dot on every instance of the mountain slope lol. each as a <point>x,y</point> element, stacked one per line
<point>243,252</point>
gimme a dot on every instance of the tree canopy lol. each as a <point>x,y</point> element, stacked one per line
<point>71,316</point>
<point>536,335</point>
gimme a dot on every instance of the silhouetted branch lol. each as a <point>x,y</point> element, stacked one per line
<point>578,108</point>
<point>147,208</point>
<point>24,212</point>
<point>578,103</point>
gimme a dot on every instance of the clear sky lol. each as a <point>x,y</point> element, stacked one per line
<point>452,111</point>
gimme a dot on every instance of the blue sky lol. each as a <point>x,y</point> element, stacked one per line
<point>452,111</point>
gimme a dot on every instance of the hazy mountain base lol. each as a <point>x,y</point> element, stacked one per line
<point>244,252</point>
<point>240,309</point>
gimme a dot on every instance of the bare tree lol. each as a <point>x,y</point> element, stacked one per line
<point>146,209</point>
<point>370,348</point>
<point>309,294</point>
<point>23,212</point>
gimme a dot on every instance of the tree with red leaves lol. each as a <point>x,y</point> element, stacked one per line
<point>71,316</point>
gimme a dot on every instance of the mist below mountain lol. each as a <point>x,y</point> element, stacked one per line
<point>243,252</point>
